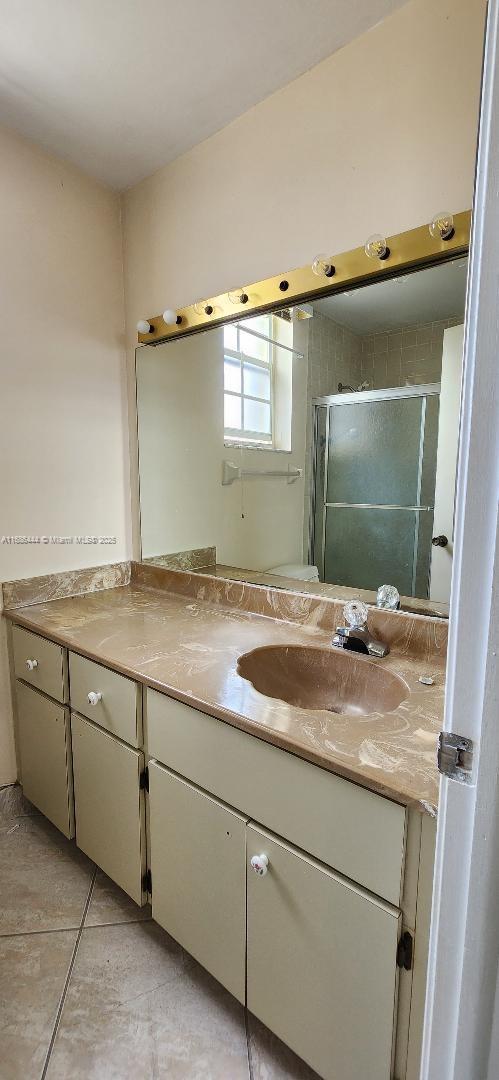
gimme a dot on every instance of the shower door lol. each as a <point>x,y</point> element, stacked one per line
<point>375,461</point>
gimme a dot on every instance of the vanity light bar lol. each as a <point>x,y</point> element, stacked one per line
<point>405,251</point>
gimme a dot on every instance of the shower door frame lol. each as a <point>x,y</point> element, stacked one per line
<point>423,390</point>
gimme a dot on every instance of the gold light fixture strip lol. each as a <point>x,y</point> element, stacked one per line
<point>407,250</point>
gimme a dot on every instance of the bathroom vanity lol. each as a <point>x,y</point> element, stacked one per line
<point>289,849</point>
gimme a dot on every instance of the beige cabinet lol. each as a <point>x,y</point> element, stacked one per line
<point>45,753</point>
<point>109,804</point>
<point>41,663</point>
<point>321,963</point>
<point>344,825</point>
<point>310,952</point>
<point>107,698</point>
<point>198,855</point>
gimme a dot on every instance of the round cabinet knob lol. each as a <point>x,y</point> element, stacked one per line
<point>259,864</point>
<point>440,541</point>
<point>31,664</point>
<point>94,697</point>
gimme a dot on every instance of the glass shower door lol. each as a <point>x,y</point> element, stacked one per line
<point>378,484</point>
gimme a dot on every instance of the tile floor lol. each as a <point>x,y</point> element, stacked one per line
<point>92,989</point>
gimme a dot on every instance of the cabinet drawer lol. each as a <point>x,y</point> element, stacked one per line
<point>109,804</point>
<point>322,963</point>
<point>40,663</point>
<point>117,709</point>
<point>344,825</point>
<point>198,857</point>
<point>45,753</point>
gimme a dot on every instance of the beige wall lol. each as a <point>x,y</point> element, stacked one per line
<point>63,438</point>
<point>377,137</point>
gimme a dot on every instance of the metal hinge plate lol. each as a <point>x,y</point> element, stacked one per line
<point>455,756</point>
<point>404,951</point>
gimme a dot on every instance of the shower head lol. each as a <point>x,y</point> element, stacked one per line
<point>344,386</point>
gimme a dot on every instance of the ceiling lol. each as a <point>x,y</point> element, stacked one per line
<point>438,292</point>
<point>121,87</point>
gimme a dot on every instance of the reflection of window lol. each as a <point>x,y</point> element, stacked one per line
<point>248,381</point>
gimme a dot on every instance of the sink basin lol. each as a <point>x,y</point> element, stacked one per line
<point>315,677</point>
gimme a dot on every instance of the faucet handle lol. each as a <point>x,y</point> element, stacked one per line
<point>388,597</point>
<point>355,613</point>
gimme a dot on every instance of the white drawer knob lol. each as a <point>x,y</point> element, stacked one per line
<point>31,664</point>
<point>259,864</point>
<point>94,697</point>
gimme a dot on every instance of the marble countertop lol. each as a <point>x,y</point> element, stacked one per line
<point>188,647</point>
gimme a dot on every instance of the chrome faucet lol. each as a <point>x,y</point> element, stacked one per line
<point>356,637</point>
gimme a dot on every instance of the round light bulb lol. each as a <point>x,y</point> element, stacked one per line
<point>322,266</point>
<point>376,247</point>
<point>170,317</point>
<point>202,307</point>
<point>237,296</point>
<point>442,226</point>
<point>143,327</point>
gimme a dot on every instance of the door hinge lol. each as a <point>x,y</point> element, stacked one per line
<point>455,756</point>
<point>404,951</point>
<point>147,882</point>
<point>144,779</point>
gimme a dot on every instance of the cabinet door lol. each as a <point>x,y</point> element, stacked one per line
<point>359,833</point>
<point>45,752</point>
<point>198,857</point>
<point>322,971</point>
<point>109,804</point>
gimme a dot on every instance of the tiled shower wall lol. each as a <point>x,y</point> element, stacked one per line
<point>404,357</point>
<point>334,355</point>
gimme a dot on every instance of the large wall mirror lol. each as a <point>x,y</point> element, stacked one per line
<point>311,448</point>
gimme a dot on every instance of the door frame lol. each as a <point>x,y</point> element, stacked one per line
<point>358,397</point>
<point>461,1031</point>
<point>446,462</point>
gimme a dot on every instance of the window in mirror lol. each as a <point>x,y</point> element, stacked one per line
<point>249,354</point>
